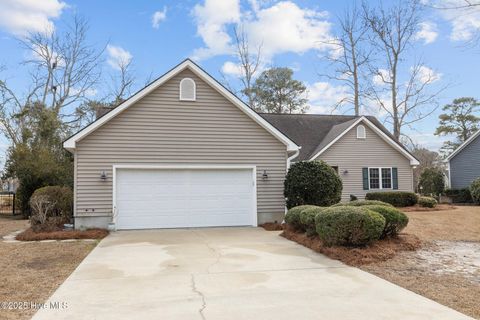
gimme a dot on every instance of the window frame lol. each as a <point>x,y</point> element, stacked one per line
<point>380,177</point>
<point>364,132</point>
<point>180,97</point>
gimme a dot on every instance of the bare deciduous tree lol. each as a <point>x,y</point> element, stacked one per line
<point>350,57</point>
<point>121,85</point>
<point>249,63</point>
<point>63,70</point>
<point>393,31</point>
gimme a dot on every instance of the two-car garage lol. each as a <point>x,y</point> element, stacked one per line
<point>175,197</point>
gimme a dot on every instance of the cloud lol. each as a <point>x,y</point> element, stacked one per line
<point>425,74</point>
<point>117,56</point>
<point>428,32</point>
<point>158,17</point>
<point>212,19</point>
<point>465,21</point>
<point>279,28</point>
<point>285,27</point>
<point>20,17</point>
<point>230,68</point>
<point>323,96</point>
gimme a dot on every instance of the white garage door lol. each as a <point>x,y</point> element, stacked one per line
<point>176,198</point>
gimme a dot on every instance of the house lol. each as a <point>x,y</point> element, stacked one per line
<point>362,151</point>
<point>182,152</point>
<point>463,164</point>
<point>186,152</point>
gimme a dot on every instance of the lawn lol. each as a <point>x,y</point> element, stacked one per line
<point>31,272</point>
<point>447,267</point>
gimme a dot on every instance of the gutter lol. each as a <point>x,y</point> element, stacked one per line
<point>295,154</point>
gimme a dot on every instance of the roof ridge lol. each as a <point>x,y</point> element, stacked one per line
<point>310,114</point>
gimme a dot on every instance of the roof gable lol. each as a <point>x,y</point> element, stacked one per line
<point>70,143</point>
<point>463,145</point>
<point>316,133</point>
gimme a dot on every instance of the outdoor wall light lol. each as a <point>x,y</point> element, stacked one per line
<point>345,172</point>
<point>103,176</point>
<point>264,175</point>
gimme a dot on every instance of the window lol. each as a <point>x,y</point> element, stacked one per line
<point>187,90</point>
<point>386,178</point>
<point>361,133</point>
<point>380,178</point>
<point>374,177</point>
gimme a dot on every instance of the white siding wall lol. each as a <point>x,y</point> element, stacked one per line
<point>160,129</point>
<point>352,154</point>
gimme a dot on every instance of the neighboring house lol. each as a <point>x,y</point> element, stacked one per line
<point>364,153</point>
<point>464,163</point>
<point>182,152</point>
<point>186,152</point>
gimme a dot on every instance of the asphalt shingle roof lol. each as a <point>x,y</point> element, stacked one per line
<point>315,131</point>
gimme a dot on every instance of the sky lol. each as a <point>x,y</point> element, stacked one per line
<point>156,35</point>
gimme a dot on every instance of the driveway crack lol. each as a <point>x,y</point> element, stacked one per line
<point>198,292</point>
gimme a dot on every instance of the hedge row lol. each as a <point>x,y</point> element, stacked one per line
<point>357,224</point>
<point>395,198</point>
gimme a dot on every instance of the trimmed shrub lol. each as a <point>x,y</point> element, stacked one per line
<point>395,198</point>
<point>292,217</point>
<point>353,197</point>
<point>427,202</point>
<point>459,195</point>
<point>395,220</point>
<point>347,225</point>
<point>361,203</point>
<point>432,182</point>
<point>51,207</point>
<point>307,219</point>
<point>312,182</point>
<point>475,190</point>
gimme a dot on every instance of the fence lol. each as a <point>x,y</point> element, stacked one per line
<point>7,203</point>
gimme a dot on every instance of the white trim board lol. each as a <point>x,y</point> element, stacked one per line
<point>390,141</point>
<point>115,167</point>
<point>70,143</point>
<point>463,145</point>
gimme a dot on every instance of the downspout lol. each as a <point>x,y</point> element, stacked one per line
<point>289,162</point>
<point>293,156</point>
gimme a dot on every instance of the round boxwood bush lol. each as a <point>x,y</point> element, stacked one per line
<point>395,220</point>
<point>475,190</point>
<point>307,219</point>
<point>427,202</point>
<point>361,203</point>
<point>432,181</point>
<point>312,182</point>
<point>348,225</point>
<point>292,217</point>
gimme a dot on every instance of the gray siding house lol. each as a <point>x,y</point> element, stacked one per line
<point>464,163</point>
<point>186,152</point>
<point>364,153</point>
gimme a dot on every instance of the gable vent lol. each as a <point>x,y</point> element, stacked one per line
<point>187,90</point>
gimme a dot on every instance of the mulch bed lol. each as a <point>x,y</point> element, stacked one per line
<point>417,208</point>
<point>381,250</point>
<point>30,235</point>
<point>272,226</point>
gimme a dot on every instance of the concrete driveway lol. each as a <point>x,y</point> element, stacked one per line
<point>226,273</point>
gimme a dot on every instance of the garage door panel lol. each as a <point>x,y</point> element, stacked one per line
<point>170,198</point>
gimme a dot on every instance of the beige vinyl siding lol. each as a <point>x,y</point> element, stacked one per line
<point>352,154</point>
<point>160,129</point>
